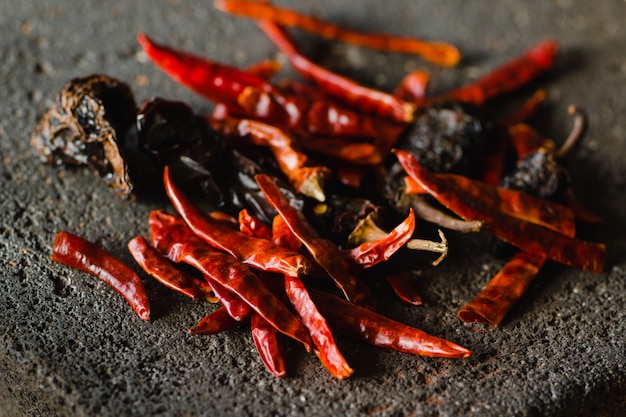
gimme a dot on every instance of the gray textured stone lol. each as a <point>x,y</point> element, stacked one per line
<point>70,346</point>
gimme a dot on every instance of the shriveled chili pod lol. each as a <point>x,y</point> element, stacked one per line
<point>366,99</point>
<point>215,322</point>
<point>253,226</point>
<point>326,254</point>
<point>155,264</point>
<point>233,304</point>
<point>79,253</point>
<point>268,344</point>
<point>375,329</point>
<point>525,235</point>
<point>325,347</point>
<point>504,290</point>
<point>256,252</point>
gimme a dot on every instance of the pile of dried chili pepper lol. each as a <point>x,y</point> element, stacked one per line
<point>286,193</point>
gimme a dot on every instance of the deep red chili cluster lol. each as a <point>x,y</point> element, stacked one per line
<point>274,274</point>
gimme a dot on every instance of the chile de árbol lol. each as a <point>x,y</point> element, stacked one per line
<point>287,192</point>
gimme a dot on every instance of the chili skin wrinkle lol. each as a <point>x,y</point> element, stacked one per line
<point>79,253</point>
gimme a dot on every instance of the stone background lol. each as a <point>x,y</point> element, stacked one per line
<point>70,346</point>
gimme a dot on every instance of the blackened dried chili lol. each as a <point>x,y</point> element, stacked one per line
<point>325,253</point>
<point>76,252</point>
<point>370,327</point>
<point>256,252</point>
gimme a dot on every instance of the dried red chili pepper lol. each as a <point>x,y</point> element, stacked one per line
<point>366,99</point>
<point>527,236</point>
<point>215,81</point>
<point>402,286</point>
<point>233,304</point>
<point>413,86</point>
<point>282,235</point>
<point>372,252</point>
<point>508,77</point>
<point>159,267</point>
<point>215,322</point>
<point>370,327</point>
<point>504,290</point>
<point>325,253</point>
<point>269,346</point>
<point>325,347</point>
<point>256,252</point>
<point>230,273</point>
<point>440,53</point>
<point>76,252</point>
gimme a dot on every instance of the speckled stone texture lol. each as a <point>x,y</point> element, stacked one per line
<point>70,346</point>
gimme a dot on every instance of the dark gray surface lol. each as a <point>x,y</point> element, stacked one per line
<point>70,346</point>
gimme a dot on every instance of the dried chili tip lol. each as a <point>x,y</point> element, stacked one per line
<point>215,322</point>
<point>403,287</point>
<point>269,345</point>
<point>79,253</point>
<point>503,291</point>
<point>86,126</point>
<point>155,264</point>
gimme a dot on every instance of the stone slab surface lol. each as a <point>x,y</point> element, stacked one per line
<point>70,346</point>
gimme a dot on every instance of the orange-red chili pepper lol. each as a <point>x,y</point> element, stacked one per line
<point>233,304</point>
<point>525,235</point>
<point>269,345</point>
<point>238,279</point>
<point>325,347</point>
<point>366,99</point>
<point>253,226</point>
<point>253,251</point>
<point>79,253</point>
<point>368,254</point>
<point>510,76</point>
<point>215,322</point>
<point>440,53</point>
<point>370,327</point>
<point>326,254</point>
<point>155,264</point>
<point>504,290</point>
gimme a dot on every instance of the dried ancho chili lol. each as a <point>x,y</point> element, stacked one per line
<point>87,125</point>
<point>288,192</point>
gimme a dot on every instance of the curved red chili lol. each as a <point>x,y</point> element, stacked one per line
<point>253,251</point>
<point>326,254</point>
<point>76,252</point>
<point>370,327</point>
<point>215,322</point>
<point>160,268</point>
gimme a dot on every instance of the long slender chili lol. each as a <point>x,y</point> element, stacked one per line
<point>237,278</point>
<point>504,290</point>
<point>363,98</point>
<point>268,344</point>
<point>325,253</point>
<point>526,236</point>
<point>370,327</point>
<point>325,347</point>
<point>253,251</point>
<point>79,253</point>
<point>160,268</point>
<point>440,53</point>
<point>510,76</point>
